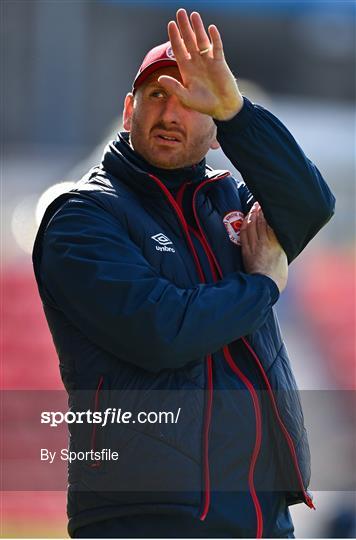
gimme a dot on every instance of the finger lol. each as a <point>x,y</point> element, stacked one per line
<point>202,38</point>
<point>175,87</point>
<point>187,32</point>
<point>244,225</point>
<point>265,223</point>
<point>267,230</point>
<point>251,229</point>
<point>218,50</point>
<point>255,206</point>
<point>261,225</point>
<point>178,47</point>
<point>253,212</point>
<point>252,209</point>
<point>245,246</point>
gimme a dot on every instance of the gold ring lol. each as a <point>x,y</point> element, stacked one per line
<point>204,51</point>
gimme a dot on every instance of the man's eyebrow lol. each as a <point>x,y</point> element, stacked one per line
<point>154,84</point>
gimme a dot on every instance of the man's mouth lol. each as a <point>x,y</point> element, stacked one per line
<point>164,137</point>
<point>170,139</point>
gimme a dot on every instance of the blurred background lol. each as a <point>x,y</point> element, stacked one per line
<point>65,69</point>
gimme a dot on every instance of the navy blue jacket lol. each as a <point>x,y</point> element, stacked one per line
<point>144,290</point>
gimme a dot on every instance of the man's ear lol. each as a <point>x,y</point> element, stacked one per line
<point>128,109</point>
<point>214,145</point>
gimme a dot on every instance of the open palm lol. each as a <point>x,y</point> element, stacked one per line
<point>208,85</point>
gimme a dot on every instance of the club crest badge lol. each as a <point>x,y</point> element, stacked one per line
<point>233,221</point>
<point>169,52</point>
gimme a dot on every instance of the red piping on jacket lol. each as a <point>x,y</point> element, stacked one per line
<point>93,435</point>
<point>180,193</point>
<point>256,450</point>
<point>285,432</point>
<point>182,222</point>
<point>209,401</point>
<point>179,199</point>
<point>210,259</point>
<point>256,405</point>
<point>208,407</point>
<point>208,410</point>
<point>205,242</point>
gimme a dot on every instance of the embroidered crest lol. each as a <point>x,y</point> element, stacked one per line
<point>233,221</point>
<point>169,53</point>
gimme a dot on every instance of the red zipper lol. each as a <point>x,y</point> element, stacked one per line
<point>285,432</point>
<point>93,434</point>
<point>183,223</point>
<point>206,245</point>
<point>258,439</point>
<point>209,401</point>
<point>210,259</point>
<point>256,405</point>
<point>210,254</point>
<point>179,200</point>
<point>209,367</point>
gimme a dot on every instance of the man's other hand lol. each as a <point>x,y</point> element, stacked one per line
<point>261,251</point>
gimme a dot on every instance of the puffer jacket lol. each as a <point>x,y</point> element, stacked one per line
<point>144,289</point>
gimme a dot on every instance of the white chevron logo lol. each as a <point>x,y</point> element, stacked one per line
<point>162,239</point>
<point>164,242</point>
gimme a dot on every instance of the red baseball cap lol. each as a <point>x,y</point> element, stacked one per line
<point>156,58</point>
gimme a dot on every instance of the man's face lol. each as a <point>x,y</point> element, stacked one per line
<point>163,131</point>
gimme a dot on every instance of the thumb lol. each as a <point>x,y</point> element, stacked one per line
<point>174,87</point>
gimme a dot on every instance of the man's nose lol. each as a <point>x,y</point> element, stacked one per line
<point>172,110</point>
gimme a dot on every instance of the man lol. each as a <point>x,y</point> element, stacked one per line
<point>158,276</point>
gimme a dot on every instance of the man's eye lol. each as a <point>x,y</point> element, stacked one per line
<point>157,93</point>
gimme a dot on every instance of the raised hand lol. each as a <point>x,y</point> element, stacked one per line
<point>208,85</point>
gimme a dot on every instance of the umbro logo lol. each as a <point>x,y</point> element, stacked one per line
<point>163,242</point>
<point>161,239</point>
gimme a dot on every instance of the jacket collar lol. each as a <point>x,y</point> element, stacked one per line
<point>121,161</point>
